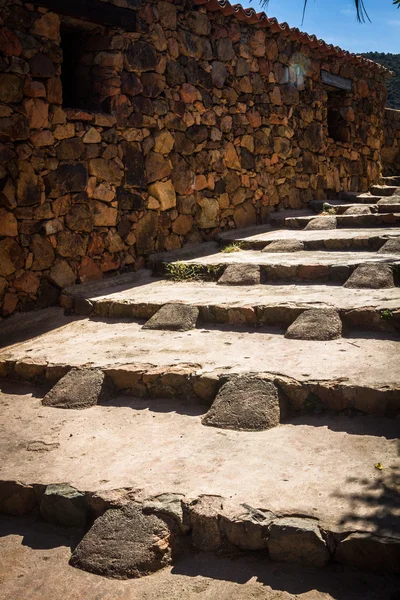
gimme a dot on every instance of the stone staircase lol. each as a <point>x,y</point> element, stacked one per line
<point>244,392</point>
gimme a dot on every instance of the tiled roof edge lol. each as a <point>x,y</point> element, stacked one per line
<point>250,16</point>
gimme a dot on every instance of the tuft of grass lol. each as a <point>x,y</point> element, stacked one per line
<point>234,247</point>
<point>386,314</point>
<point>327,209</point>
<point>180,271</point>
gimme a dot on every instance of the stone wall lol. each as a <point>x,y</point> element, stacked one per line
<point>193,123</point>
<point>391,145</point>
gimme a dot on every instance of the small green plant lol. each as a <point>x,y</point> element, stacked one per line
<point>180,271</point>
<point>386,314</point>
<point>234,247</point>
<point>328,209</point>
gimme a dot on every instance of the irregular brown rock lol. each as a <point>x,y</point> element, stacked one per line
<point>61,274</point>
<point>207,213</point>
<point>80,218</point>
<point>79,389</point>
<point>392,246</point>
<point>141,56</point>
<point>43,253</point>
<point>16,498</point>
<point>71,177</point>
<point>164,192</point>
<point>284,246</point>
<point>70,245</point>
<point>11,88</point>
<point>14,128</point>
<point>204,520</point>
<point>298,541</point>
<point>321,223</point>
<point>372,276</point>
<point>8,224</point>
<point>125,543</point>
<point>28,189</point>
<point>89,270</point>
<point>240,274</point>
<point>369,552</point>
<point>245,403</point>
<point>146,231</point>
<point>316,324</point>
<point>70,149</point>
<point>62,504</point>
<point>11,257</point>
<point>157,167</point>
<point>106,170</point>
<point>174,317</point>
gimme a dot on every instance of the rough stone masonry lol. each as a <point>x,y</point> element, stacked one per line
<point>158,125</point>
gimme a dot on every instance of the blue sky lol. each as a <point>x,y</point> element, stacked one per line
<point>335,22</point>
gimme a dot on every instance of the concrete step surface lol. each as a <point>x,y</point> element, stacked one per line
<point>258,237</point>
<point>302,266</point>
<point>254,305</point>
<point>331,448</point>
<point>299,221</point>
<point>384,190</point>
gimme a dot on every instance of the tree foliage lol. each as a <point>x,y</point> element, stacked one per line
<point>392,62</point>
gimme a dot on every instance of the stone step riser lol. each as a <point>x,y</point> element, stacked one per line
<point>355,199</point>
<point>362,319</point>
<point>393,180</point>
<point>344,221</point>
<point>280,273</point>
<point>216,524</point>
<point>187,382</point>
<point>385,190</point>
<point>340,209</point>
<point>357,243</point>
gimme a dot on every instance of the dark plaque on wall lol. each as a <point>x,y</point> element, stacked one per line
<point>335,81</point>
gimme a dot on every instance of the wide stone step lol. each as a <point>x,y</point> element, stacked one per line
<point>387,219</point>
<point>257,491</point>
<point>216,575</point>
<point>299,266</point>
<point>337,207</point>
<point>357,373</point>
<point>258,237</point>
<point>393,180</point>
<point>254,305</point>
<point>384,190</point>
<point>357,198</point>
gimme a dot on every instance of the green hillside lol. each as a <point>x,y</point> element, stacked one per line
<point>392,62</point>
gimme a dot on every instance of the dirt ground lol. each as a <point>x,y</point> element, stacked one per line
<point>318,466</point>
<point>34,566</point>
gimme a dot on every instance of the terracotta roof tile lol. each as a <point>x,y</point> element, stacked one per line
<point>250,16</point>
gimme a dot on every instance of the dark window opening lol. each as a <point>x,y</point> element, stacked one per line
<point>76,70</point>
<point>338,127</point>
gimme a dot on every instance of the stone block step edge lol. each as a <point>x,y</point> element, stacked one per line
<point>386,219</point>
<point>339,209</point>
<point>335,273</point>
<point>378,318</point>
<point>357,243</point>
<point>215,524</point>
<point>191,383</point>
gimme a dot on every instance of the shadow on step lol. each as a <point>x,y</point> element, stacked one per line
<point>28,326</point>
<point>358,424</point>
<point>38,534</point>
<point>157,405</point>
<point>375,502</point>
<point>335,580</point>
